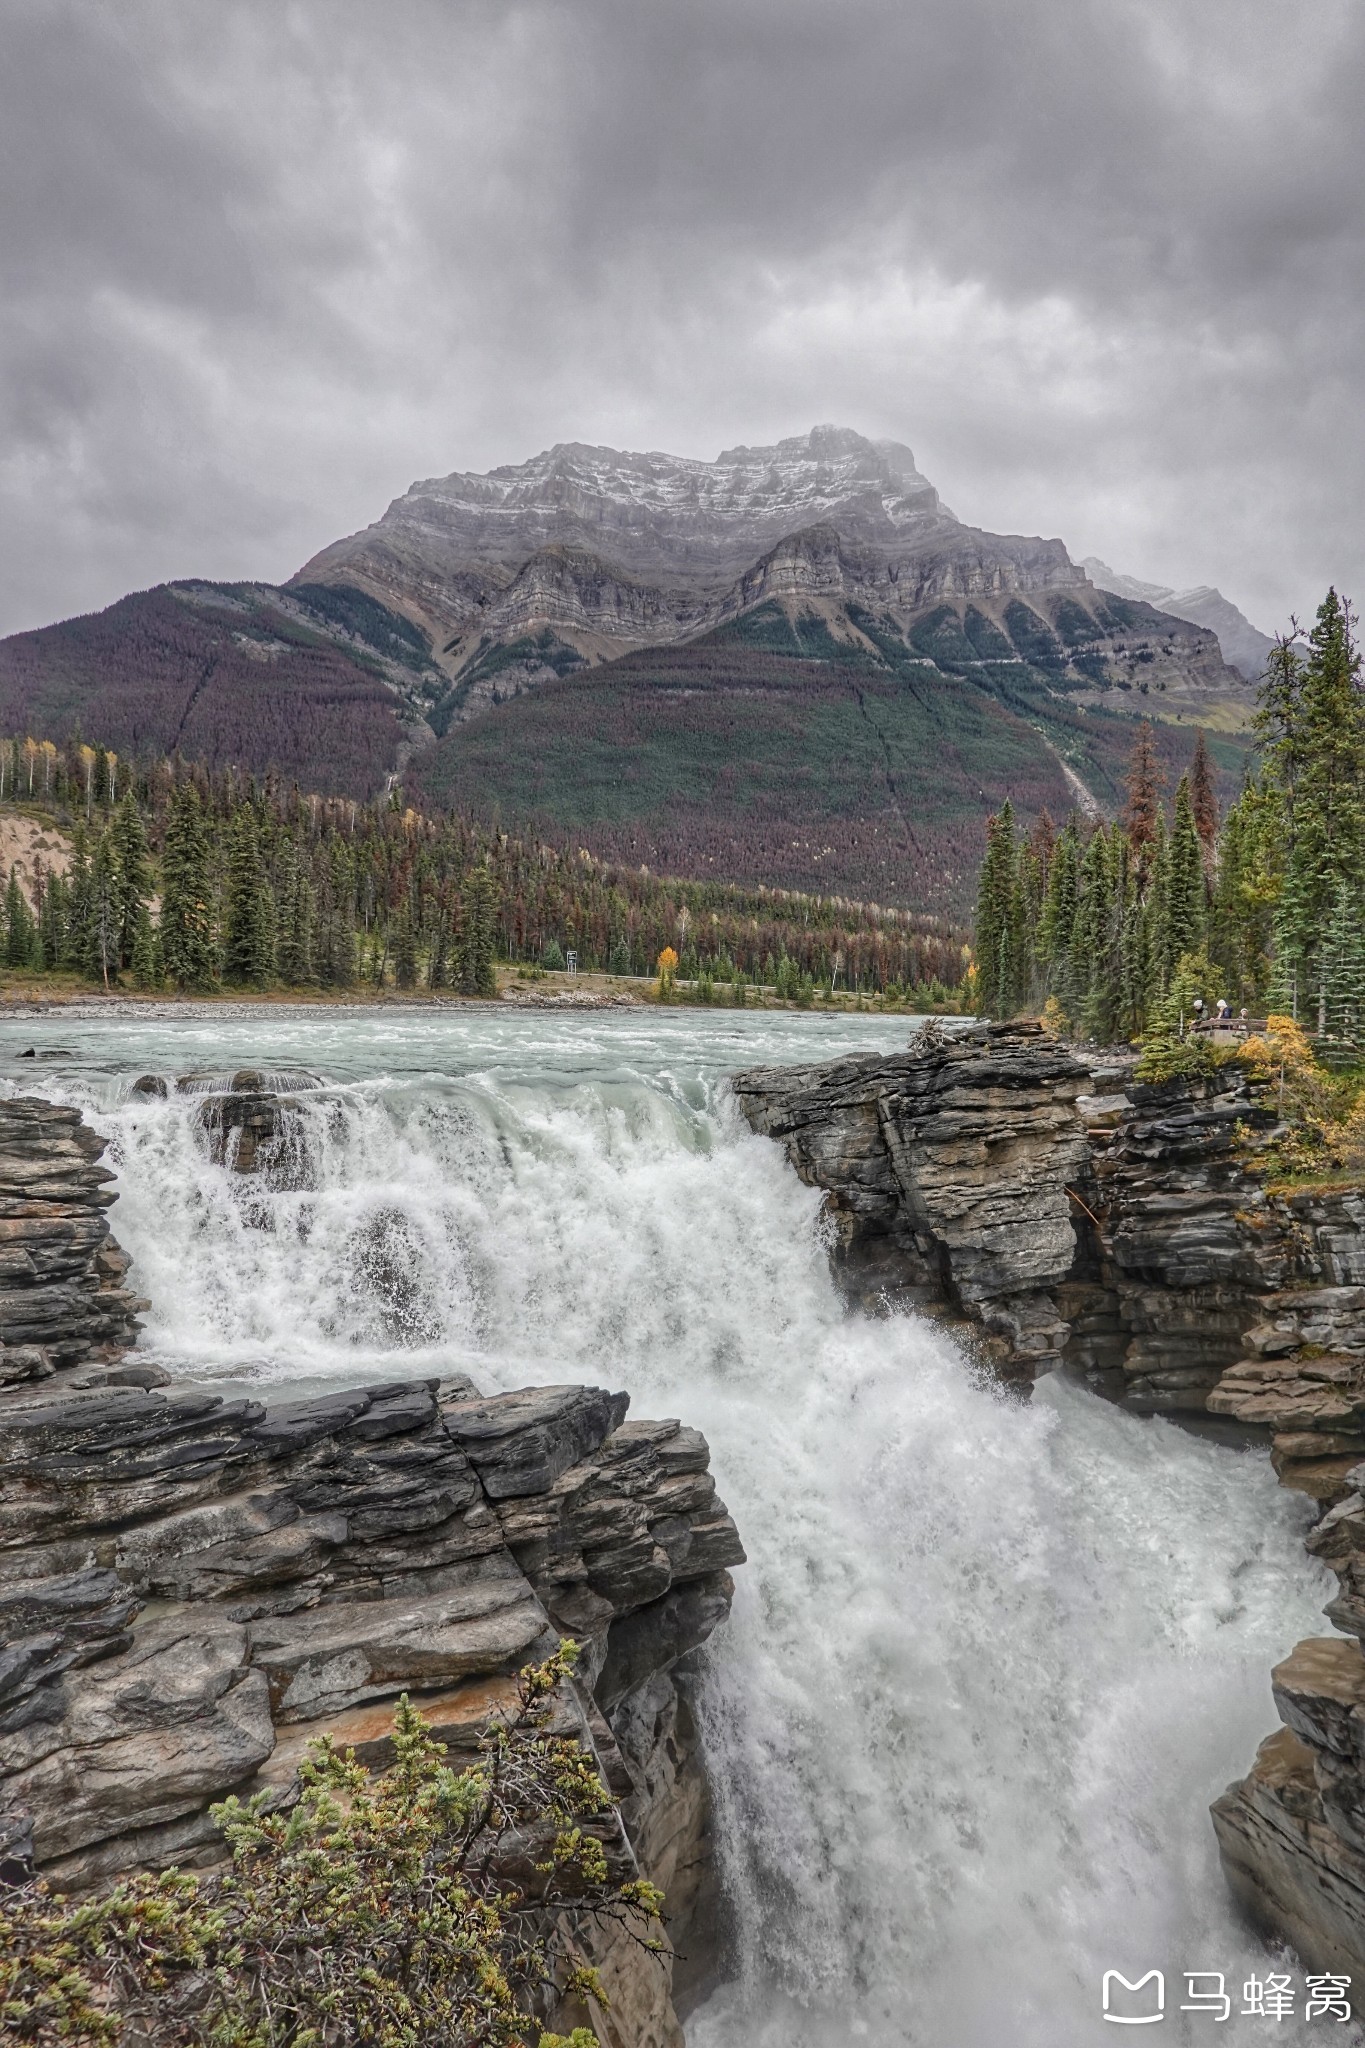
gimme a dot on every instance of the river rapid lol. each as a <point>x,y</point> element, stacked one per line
<point>989,1660</point>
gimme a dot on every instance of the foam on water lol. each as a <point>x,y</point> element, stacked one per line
<point>988,1662</point>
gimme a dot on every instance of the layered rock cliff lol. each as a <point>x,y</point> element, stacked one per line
<point>947,1170</point>
<point>1074,1217</point>
<point>191,1587</point>
<point>62,1298</point>
<point>605,550</point>
<point>1080,1217</point>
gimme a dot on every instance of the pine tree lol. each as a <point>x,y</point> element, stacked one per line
<point>143,957</point>
<point>1183,907</point>
<point>1343,967</point>
<point>248,908</point>
<point>1325,801</point>
<point>477,913</point>
<point>105,926</point>
<point>1194,979</point>
<point>998,939</point>
<point>186,896</point>
<point>134,871</point>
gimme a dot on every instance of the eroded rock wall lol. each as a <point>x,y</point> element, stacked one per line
<point>1126,1231</point>
<point>1073,1215</point>
<point>947,1170</point>
<point>62,1298</point>
<point>191,1588</point>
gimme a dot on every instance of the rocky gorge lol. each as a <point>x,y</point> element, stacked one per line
<point>196,1580</point>
<point>1070,1218</point>
<point>192,1587</point>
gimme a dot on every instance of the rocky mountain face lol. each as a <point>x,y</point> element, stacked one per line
<point>1069,1216</point>
<point>1244,647</point>
<point>461,545</point>
<point>191,1588</point>
<point>592,551</point>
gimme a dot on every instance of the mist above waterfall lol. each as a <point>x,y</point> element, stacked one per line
<point>989,1660</point>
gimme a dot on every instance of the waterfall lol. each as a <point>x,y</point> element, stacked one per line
<point>989,1660</point>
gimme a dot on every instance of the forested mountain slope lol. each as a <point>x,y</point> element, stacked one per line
<point>793,665</point>
<point>810,751</point>
<point>322,686</point>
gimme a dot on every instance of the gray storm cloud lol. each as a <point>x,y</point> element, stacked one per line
<point>263,264</point>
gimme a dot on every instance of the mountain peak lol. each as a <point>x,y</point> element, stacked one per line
<point>660,518</point>
<point>1244,646</point>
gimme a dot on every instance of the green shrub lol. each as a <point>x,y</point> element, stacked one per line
<point>422,1908</point>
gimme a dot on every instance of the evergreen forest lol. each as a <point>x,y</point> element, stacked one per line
<point>191,880</point>
<point>1119,931</point>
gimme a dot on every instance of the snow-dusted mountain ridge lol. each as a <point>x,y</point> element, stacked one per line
<point>654,513</point>
<point>586,553</point>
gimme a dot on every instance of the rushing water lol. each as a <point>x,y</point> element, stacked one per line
<point>988,1662</point>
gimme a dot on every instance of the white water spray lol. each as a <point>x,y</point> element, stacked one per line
<point>988,1662</point>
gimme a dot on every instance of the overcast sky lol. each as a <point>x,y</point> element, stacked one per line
<point>1098,261</point>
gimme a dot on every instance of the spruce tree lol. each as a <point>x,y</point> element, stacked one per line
<point>54,922</point>
<point>1325,800</point>
<point>1158,904</point>
<point>143,957</point>
<point>186,897</point>
<point>1058,922</point>
<point>248,908</point>
<point>1183,920</point>
<point>134,871</point>
<point>1137,945</point>
<point>104,931</point>
<point>438,950</point>
<point>1142,808</point>
<point>478,907</point>
<point>998,940</point>
<point>296,913</point>
<point>1245,889</point>
<point>1094,973</point>
<point>76,947</point>
<point>1342,970</point>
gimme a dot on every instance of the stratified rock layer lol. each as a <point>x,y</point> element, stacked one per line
<point>948,1169</point>
<point>191,1588</point>
<point>1126,1232</point>
<point>1076,1216</point>
<point>62,1298</point>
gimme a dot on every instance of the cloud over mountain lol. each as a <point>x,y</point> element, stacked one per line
<point>260,266</point>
